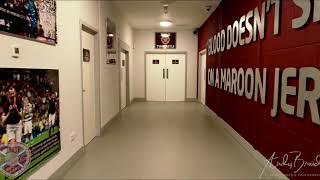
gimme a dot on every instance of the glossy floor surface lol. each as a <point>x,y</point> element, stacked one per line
<point>151,140</point>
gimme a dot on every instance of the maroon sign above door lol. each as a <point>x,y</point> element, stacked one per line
<point>165,40</point>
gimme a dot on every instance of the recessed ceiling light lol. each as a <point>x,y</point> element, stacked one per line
<point>110,35</point>
<point>165,23</point>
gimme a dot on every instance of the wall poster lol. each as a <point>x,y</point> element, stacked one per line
<point>165,40</point>
<point>29,128</point>
<point>86,55</point>
<point>34,19</point>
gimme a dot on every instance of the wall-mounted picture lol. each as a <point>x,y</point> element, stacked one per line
<point>29,114</point>
<point>86,55</point>
<point>34,19</point>
<point>111,58</point>
<point>111,32</point>
<point>110,42</point>
<point>165,40</point>
<point>111,61</point>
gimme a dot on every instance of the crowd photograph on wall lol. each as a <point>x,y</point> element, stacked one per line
<point>35,19</point>
<point>28,105</point>
<point>29,118</point>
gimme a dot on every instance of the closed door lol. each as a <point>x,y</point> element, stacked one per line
<point>175,77</point>
<point>155,79</point>
<point>88,87</point>
<point>165,77</point>
<point>203,78</point>
<point>123,80</point>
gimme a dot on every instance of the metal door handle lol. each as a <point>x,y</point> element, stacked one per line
<point>163,72</point>
<point>167,74</point>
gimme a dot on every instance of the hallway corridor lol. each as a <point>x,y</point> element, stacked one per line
<point>164,141</point>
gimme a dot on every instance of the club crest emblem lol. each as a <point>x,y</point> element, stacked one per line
<point>165,40</point>
<point>14,159</point>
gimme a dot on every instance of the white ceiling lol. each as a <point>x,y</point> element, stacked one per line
<point>146,14</point>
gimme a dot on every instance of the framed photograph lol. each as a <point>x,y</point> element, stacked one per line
<point>31,19</point>
<point>30,116</point>
<point>110,42</point>
<point>111,58</point>
<point>86,55</point>
<point>111,62</point>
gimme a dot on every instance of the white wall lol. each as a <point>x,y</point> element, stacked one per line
<point>144,41</point>
<point>126,35</point>
<point>109,74</point>
<point>66,56</point>
<point>110,78</point>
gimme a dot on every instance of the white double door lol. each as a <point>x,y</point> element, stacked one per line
<point>165,77</point>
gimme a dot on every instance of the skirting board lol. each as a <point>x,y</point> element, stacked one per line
<point>191,100</point>
<point>138,100</point>
<point>270,170</point>
<point>67,165</point>
<point>108,124</point>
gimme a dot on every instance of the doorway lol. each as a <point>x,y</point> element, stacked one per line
<point>90,83</point>
<point>202,76</point>
<point>124,70</point>
<point>165,77</point>
<point>124,78</point>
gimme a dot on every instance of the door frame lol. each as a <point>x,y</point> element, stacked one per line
<point>125,48</point>
<point>83,26</point>
<point>166,52</point>
<point>202,52</point>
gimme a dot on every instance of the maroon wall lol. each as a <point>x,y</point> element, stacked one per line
<point>252,120</point>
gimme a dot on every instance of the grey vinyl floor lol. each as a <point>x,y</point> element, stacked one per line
<point>157,140</point>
